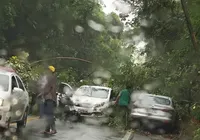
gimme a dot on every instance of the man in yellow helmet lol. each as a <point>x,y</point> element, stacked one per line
<point>50,97</point>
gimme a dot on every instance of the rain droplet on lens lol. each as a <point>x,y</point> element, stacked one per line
<point>115,29</point>
<point>7,133</point>
<point>2,61</point>
<point>79,29</point>
<point>109,111</point>
<point>12,130</point>
<point>96,26</point>
<point>152,85</point>
<point>8,114</point>
<point>15,101</point>
<point>3,52</point>
<point>18,113</point>
<point>97,81</point>
<point>102,73</point>
<point>108,18</point>
<point>161,131</point>
<point>14,138</point>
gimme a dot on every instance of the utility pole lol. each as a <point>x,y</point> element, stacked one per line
<point>189,25</point>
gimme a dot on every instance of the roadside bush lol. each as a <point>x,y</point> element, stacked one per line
<point>22,67</point>
<point>197,134</point>
<point>116,118</point>
<point>69,76</point>
<point>196,112</point>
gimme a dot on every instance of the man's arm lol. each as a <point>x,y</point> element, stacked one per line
<point>117,99</point>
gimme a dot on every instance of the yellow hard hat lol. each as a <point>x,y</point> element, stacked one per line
<point>52,69</point>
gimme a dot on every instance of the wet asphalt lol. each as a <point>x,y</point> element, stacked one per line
<point>90,130</point>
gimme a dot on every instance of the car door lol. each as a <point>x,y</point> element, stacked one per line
<point>15,102</point>
<point>63,89</point>
<point>23,96</point>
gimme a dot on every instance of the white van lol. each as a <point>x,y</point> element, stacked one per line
<point>14,99</point>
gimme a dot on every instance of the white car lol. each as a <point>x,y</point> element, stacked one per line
<point>92,100</point>
<point>14,99</point>
<point>154,110</point>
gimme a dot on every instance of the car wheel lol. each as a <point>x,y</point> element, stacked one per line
<point>22,123</point>
<point>136,124</point>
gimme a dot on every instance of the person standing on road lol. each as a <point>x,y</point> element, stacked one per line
<point>50,98</point>
<point>123,101</point>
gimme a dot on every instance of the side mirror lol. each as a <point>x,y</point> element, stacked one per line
<point>16,89</point>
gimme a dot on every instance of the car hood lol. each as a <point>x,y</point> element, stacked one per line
<point>87,101</point>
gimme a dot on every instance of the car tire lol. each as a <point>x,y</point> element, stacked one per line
<point>22,123</point>
<point>136,124</point>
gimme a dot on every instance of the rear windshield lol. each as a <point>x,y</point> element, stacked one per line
<point>4,82</point>
<point>162,101</point>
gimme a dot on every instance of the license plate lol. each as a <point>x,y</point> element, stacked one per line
<point>82,111</point>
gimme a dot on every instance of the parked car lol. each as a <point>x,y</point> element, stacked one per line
<point>14,99</point>
<point>154,111</point>
<point>92,100</point>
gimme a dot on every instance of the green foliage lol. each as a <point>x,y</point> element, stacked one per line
<point>117,119</point>
<point>197,134</point>
<point>49,29</point>
<point>22,68</point>
<point>196,112</point>
<point>69,76</point>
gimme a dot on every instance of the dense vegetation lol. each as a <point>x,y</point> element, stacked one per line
<point>79,28</point>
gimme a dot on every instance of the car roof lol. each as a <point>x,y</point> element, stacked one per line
<point>102,87</point>
<point>161,96</point>
<point>154,95</point>
<point>7,73</point>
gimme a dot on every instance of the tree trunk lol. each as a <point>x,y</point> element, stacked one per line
<point>189,25</point>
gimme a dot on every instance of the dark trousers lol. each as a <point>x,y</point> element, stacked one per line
<point>124,111</point>
<point>49,107</point>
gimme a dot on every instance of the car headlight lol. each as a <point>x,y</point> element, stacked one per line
<point>1,102</point>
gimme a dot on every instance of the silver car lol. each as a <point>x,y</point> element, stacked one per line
<point>14,99</point>
<point>153,110</point>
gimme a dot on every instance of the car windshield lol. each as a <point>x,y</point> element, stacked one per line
<point>162,101</point>
<point>92,92</point>
<point>100,93</point>
<point>4,82</point>
<point>83,91</point>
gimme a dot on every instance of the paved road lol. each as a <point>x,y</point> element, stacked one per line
<point>153,137</point>
<point>75,131</point>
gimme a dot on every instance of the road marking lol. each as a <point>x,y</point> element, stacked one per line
<point>29,119</point>
<point>128,135</point>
